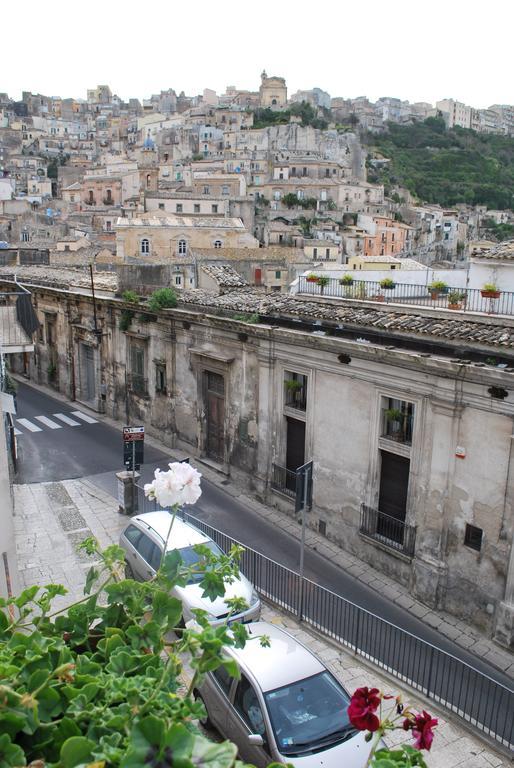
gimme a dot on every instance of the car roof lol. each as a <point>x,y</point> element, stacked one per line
<point>182,534</point>
<point>284,662</point>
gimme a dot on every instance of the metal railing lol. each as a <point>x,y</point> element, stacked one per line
<point>461,299</point>
<point>390,531</point>
<point>283,480</point>
<point>475,697</point>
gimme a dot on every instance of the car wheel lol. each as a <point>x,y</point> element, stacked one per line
<point>129,573</point>
<point>205,721</point>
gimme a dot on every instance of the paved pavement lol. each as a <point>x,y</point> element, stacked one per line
<point>52,518</point>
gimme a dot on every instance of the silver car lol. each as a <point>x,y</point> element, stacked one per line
<point>286,707</point>
<point>143,541</point>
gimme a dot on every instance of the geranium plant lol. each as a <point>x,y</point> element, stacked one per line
<point>98,682</point>
<point>365,713</point>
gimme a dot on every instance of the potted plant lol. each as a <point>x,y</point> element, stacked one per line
<point>312,278</point>
<point>346,279</point>
<point>394,417</point>
<point>387,284</point>
<point>490,291</point>
<point>456,299</point>
<point>323,281</point>
<point>437,288</point>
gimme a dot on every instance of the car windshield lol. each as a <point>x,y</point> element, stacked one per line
<point>190,558</point>
<point>309,715</point>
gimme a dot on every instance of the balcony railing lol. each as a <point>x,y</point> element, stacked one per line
<point>108,201</point>
<point>90,202</point>
<point>138,384</point>
<point>460,299</point>
<point>390,531</point>
<point>283,480</point>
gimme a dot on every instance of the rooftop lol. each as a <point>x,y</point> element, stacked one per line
<point>224,275</point>
<point>179,222</point>
<point>501,252</point>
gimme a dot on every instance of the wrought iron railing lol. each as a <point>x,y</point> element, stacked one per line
<point>460,299</point>
<point>283,480</point>
<point>390,531</point>
<point>476,698</point>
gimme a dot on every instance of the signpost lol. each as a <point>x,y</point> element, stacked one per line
<point>303,502</point>
<point>133,453</point>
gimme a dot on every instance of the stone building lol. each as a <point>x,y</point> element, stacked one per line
<point>406,413</point>
<point>174,235</point>
<point>272,92</point>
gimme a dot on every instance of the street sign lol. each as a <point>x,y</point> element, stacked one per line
<point>303,487</point>
<point>133,447</point>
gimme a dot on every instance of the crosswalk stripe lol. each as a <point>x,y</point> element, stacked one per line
<point>48,422</point>
<point>29,425</point>
<point>84,417</point>
<point>17,431</point>
<point>66,419</point>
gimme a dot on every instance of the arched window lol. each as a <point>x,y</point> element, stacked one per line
<point>148,180</point>
<point>218,243</point>
<point>182,247</point>
<point>145,245</point>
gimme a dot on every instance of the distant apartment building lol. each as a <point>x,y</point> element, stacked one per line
<point>455,113</point>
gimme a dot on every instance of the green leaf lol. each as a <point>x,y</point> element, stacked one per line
<point>27,596</point>
<point>171,565</point>
<point>167,610</point>
<point>232,668</point>
<point>147,733</point>
<point>208,755</point>
<point>91,577</point>
<point>10,754</point>
<point>76,750</point>
<point>4,621</point>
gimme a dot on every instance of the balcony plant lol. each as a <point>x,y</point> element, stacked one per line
<point>323,281</point>
<point>346,279</point>
<point>98,682</point>
<point>490,291</point>
<point>387,284</point>
<point>437,288</point>
<point>456,299</point>
<point>312,278</point>
<point>394,418</point>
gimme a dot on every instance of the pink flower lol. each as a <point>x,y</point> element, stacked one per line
<point>361,711</point>
<point>421,726</point>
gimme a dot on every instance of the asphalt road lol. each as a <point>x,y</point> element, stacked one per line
<point>94,450</point>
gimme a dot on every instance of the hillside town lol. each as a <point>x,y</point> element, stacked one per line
<point>246,278</point>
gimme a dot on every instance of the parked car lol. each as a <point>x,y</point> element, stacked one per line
<point>286,707</point>
<point>144,539</point>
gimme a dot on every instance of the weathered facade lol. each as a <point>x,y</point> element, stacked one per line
<point>406,415</point>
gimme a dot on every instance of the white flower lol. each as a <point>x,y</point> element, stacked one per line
<point>179,485</point>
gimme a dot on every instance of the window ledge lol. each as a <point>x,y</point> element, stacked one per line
<point>393,446</point>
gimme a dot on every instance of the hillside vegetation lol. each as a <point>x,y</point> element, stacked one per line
<point>445,166</point>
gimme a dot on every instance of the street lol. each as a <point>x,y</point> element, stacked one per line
<point>59,440</point>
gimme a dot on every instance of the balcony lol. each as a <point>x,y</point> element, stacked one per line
<point>108,201</point>
<point>91,201</point>
<point>391,532</point>
<point>138,384</point>
<point>18,322</point>
<point>283,480</point>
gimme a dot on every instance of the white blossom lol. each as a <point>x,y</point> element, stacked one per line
<point>177,486</point>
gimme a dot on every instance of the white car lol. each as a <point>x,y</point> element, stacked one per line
<point>286,707</point>
<point>143,541</point>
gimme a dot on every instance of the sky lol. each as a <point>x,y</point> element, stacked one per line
<point>411,49</point>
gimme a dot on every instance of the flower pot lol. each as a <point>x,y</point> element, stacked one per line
<point>454,306</point>
<point>388,287</point>
<point>312,279</point>
<point>378,297</point>
<point>490,294</point>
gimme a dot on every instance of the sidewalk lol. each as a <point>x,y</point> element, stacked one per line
<point>453,628</point>
<point>52,518</point>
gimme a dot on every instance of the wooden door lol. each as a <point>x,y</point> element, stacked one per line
<point>295,449</point>
<point>394,486</point>
<point>215,402</point>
